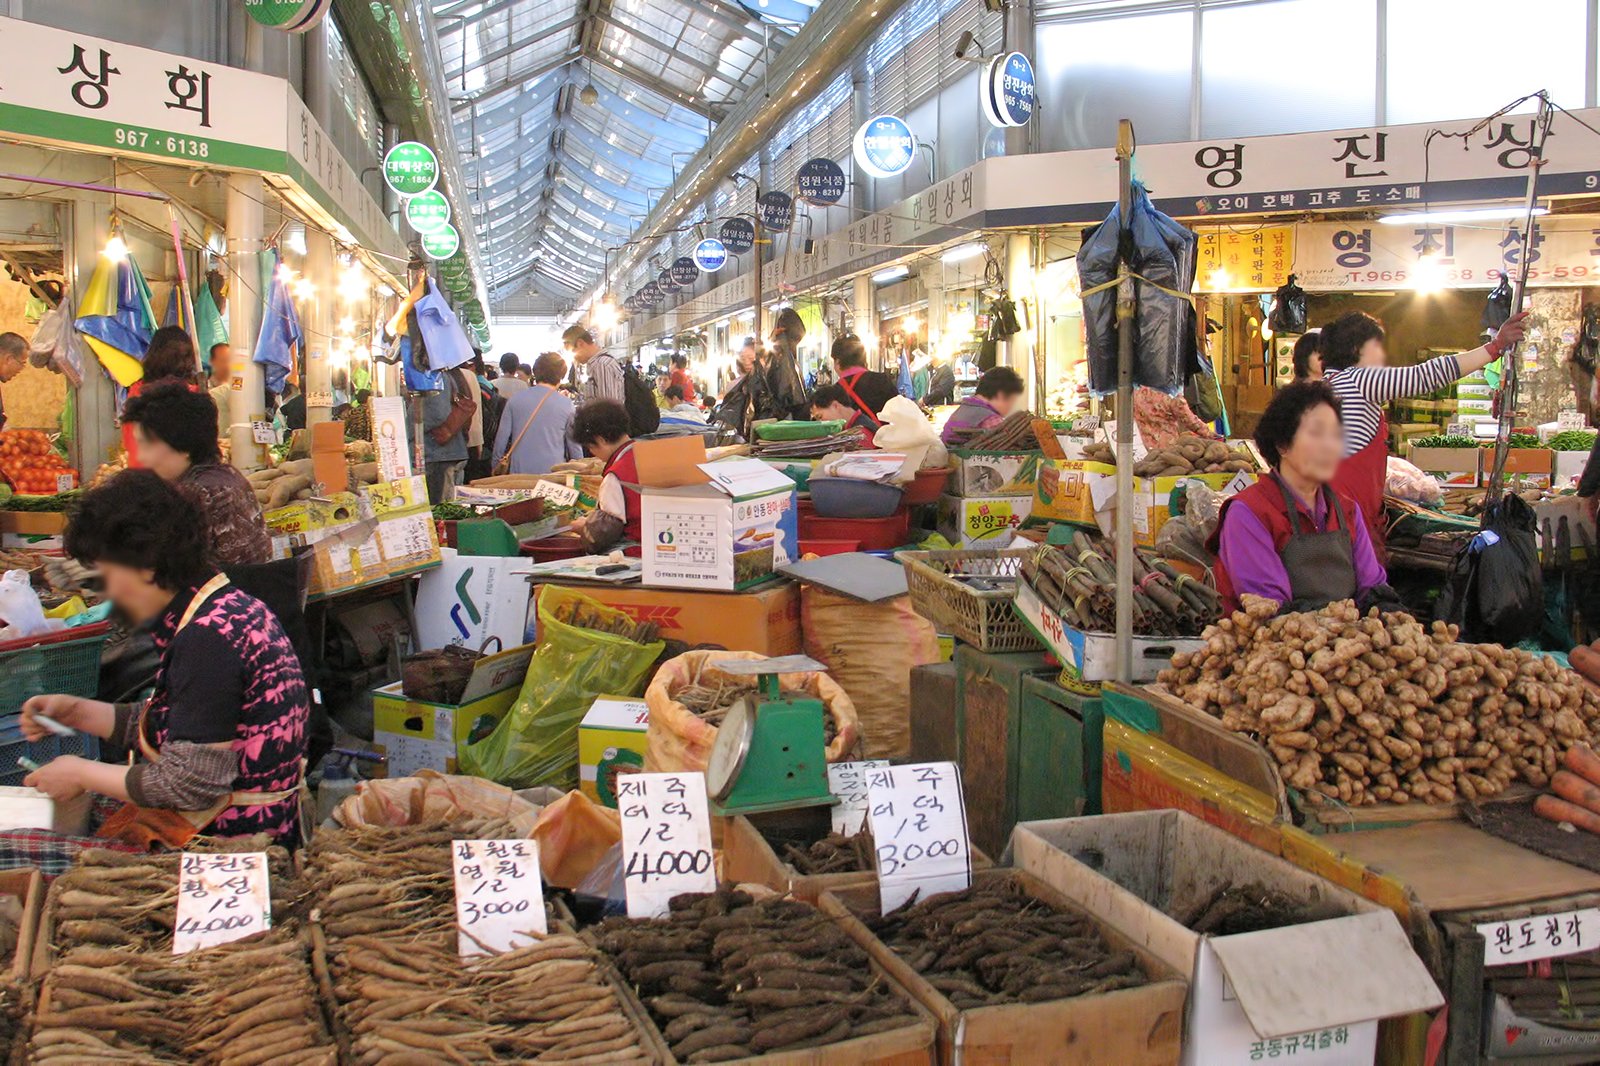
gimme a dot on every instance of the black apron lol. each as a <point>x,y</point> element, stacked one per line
<point>1321,565</point>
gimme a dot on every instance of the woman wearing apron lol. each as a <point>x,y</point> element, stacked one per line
<point>1293,537</point>
<point>1355,364</point>
<point>218,748</point>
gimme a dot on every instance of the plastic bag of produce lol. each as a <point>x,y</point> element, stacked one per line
<point>906,429</point>
<point>679,739</point>
<point>536,742</point>
<point>1406,482</point>
<point>431,796</point>
<point>574,834</point>
<point>1495,591</point>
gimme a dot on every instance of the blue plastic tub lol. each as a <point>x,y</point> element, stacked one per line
<point>12,745</point>
<point>848,497</point>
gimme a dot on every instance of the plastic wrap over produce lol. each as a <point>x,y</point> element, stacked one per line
<point>1405,482</point>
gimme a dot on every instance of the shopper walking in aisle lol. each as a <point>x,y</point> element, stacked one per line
<point>1354,362</point>
<point>868,390</point>
<point>221,383</point>
<point>1295,537</point>
<point>604,372</point>
<point>170,358</point>
<point>536,426</point>
<point>510,382</point>
<point>680,377</point>
<point>602,427</point>
<point>998,393</point>
<point>172,436</point>
<point>446,413</point>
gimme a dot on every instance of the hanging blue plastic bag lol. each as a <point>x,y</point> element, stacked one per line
<point>418,380</point>
<point>442,333</point>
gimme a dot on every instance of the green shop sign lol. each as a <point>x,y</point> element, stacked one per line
<point>442,243</point>
<point>428,212</point>
<point>292,16</point>
<point>410,168</point>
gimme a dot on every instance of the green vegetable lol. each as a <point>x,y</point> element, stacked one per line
<point>1444,440</point>
<point>450,511</point>
<point>43,504</point>
<point>1572,440</point>
<point>1516,440</point>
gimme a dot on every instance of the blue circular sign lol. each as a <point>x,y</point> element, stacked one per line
<point>820,181</point>
<point>1013,94</point>
<point>738,235</point>
<point>665,282</point>
<point>650,293</point>
<point>885,146</point>
<point>777,211</point>
<point>710,255</point>
<point>684,272</point>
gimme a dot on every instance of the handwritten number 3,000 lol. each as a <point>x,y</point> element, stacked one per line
<point>890,857</point>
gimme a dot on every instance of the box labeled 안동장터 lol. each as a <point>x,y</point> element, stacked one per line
<point>611,741</point>
<point>417,735</point>
<point>728,531</point>
<point>981,521</point>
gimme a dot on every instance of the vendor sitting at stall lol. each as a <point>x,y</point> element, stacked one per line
<point>1293,537</point>
<point>602,427</point>
<point>829,403</point>
<point>997,395</point>
<point>220,743</point>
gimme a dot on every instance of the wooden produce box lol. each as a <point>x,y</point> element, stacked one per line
<point>748,854</point>
<point>28,886</point>
<point>1130,1026</point>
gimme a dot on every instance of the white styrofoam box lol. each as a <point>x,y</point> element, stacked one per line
<point>28,808</point>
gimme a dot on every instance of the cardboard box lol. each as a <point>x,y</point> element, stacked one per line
<point>610,742</point>
<point>1066,490</point>
<point>1314,990</point>
<point>418,735</point>
<point>982,521</point>
<point>1092,656</point>
<point>1456,467</point>
<point>980,473</point>
<point>1140,1026</point>
<point>33,523</point>
<point>1531,466</point>
<point>764,619</point>
<point>1153,499</point>
<point>469,598</point>
<point>701,537</point>
<point>402,540</point>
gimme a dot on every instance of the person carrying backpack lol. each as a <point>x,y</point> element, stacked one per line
<point>610,379</point>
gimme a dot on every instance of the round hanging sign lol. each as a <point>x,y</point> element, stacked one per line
<point>885,146</point>
<point>428,212</point>
<point>684,272</point>
<point>665,282</point>
<point>710,255</point>
<point>738,235</point>
<point>1012,91</point>
<point>410,167</point>
<point>777,211</point>
<point>442,243</point>
<point>650,293</point>
<point>820,181</point>
<point>291,16</point>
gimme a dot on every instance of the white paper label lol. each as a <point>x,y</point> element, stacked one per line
<point>389,437</point>
<point>666,839</point>
<point>220,898</point>
<point>1540,936</point>
<point>1087,422</point>
<point>848,782</point>
<point>1571,420</point>
<point>406,539</point>
<point>499,896</point>
<point>919,829</point>
<point>1139,450</point>
<point>560,495</point>
<point>64,482</point>
<point>263,433</point>
<point>1458,429</point>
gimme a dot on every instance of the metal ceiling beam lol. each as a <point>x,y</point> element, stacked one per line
<point>512,46</point>
<point>459,104</point>
<point>626,69</point>
<point>641,34</point>
<point>459,22</point>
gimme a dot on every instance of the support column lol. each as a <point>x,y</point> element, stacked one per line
<point>1019,284</point>
<point>99,437</point>
<point>861,108</point>
<point>321,268</point>
<point>246,397</point>
<point>864,314</point>
<point>1020,36</point>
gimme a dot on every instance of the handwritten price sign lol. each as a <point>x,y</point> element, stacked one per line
<point>919,828</point>
<point>221,898</point>
<point>499,895</point>
<point>1540,936</point>
<point>666,840</point>
<point>848,781</point>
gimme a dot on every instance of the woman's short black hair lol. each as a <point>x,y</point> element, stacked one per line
<point>170,355</point>
<point>600,420</point>
<point>827,395</point>
<point>849,351</point>
<point>1344,337</point>
<point>138,520</point>
<point>1000,381</point>
<point>183,420</point>
<point>1309,344</point>
<point>1281,420</point>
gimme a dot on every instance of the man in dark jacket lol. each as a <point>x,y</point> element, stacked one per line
<point>868,390</point>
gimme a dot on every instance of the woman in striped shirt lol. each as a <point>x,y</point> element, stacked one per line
<point>1354,362</point>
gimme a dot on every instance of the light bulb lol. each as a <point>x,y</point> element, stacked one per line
<point>353,285</point>
<point>116,248</point>
<point>304,289</point>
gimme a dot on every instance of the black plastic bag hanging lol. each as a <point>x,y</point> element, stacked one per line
<point>1288,313</point>
<point>1162,254</point>
<point>1495,591</point>
<point>1498,306</point>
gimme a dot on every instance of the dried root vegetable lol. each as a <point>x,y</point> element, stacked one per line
<point>994,943</point>
<point>711,702</point>
<point>1188,454</point>
<point>241,1004</point>
<point>1245,908</point>
<point>578,613</point>
<point>412,998</point>
<point>835,853</point>
<point>1382,709</point>
<point>1078,581</point>
<point>727,978</point>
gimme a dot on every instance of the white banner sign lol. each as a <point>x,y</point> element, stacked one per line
<point>1540,936</point>
<point>1367,254</point>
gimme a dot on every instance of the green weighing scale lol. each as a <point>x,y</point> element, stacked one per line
<point>769,754</point>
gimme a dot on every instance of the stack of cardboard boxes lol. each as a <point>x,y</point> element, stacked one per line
<point>989,496</point>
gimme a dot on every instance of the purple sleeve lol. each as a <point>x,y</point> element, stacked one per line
<point>1247,553</point>
<point>1369,572</point>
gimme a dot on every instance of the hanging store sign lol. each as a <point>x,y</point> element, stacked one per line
<point>442,243</point>
<point>777,211</point>
<point>1369,255</point>
<point>820,181</point>
<point>664,282</point>
<point>410,167</point>
<point>291,16</point>
<point>1008,91</point>
<point>885,146</point>
<point>428,212</point>
<point>1244,260</point>
<point>710,255</point>
<point>739,234</point>
<point>684,272</point>
<point>651,293</point>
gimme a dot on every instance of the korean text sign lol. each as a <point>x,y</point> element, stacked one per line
<point>666,839</point>
<point>919,829</point>
<point>221,898</point>
<point>499,895</point>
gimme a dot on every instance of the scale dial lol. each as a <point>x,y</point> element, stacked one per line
<point>730,749</point>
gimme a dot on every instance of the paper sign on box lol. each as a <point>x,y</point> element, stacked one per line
<point>666,840</point>
<point>221,898</point>
<point>499,895</point>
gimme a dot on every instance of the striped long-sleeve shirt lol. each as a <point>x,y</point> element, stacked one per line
<point>605,379</point>
<point>1363,390</point>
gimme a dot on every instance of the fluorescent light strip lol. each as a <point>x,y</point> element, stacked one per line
<point>1465,214</point>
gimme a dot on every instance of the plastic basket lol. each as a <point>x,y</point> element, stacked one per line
<point>12,745</point>
<point>67,662</point>
<point>982,618</point>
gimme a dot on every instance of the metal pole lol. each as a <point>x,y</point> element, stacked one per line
<point>1125,339</point>
<point>246,400</point>
<point>756,253</point>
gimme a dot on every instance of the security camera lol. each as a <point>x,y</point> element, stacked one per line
<point>965,44</point>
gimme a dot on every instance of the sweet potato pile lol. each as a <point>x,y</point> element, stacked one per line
<point>726,978</point>
<point>995,943</point>
<point>1382,709</point>
<point>1188,454</point>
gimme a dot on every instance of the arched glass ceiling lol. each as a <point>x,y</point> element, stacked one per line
<point>554,180</point>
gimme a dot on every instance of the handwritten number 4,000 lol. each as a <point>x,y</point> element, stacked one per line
<point>644,865</point>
